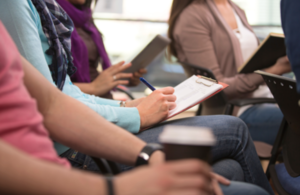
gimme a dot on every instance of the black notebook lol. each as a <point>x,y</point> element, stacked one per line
<point>143,59</point>
<point>266,55</point>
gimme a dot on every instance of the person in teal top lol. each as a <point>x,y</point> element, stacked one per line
<point>33,44</point>
<point>23,23</point>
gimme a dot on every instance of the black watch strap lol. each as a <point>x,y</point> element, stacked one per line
<point>146,153</point>
<point>110,186</point>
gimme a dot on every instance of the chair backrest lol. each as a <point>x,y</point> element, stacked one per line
<point>285,93</point>
<point>213,105</point>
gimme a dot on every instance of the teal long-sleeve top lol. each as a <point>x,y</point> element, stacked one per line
<point>22,21</point>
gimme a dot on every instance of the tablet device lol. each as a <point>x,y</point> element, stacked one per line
<point>266,55</point>
<point>143,59</point>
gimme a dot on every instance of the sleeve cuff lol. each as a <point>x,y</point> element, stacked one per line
<point>129,119</point>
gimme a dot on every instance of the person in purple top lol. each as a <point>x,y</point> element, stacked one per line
<point>88,50</point>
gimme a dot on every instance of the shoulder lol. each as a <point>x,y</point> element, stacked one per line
<point>17,9</point>
<point>198,10</point>
<point>238,9</point>
<point>16,15</point>
<point>23,24</point>
<point>196,15</point>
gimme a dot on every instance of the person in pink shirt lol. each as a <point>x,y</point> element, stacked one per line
<point>21,123</point>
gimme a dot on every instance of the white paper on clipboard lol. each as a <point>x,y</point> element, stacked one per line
<point>191,91</point>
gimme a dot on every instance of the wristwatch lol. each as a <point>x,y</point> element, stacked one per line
<point>122,104</point>
<point>146,153</point>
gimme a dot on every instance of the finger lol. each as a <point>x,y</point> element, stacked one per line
<point>134,81</point>
<point>187,192</point>
<point>119,67</point>
<point>121,82</point>
<point>118,64</point>
<point>221,179</point>
<point>167,90</point>
<point>190,166</point>
<point>194,181</point>
<point>143,71</point>
<point>171,105</point>
<point>114,67</point>
<point>122,68</point>
<point>137,74</point>
<point>216,187</point>
<point>170,98</point>
<point>123,75</point>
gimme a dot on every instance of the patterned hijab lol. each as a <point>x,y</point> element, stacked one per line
<point>58,28</point>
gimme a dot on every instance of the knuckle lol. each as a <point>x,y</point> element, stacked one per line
<point>164,107</point>
<point>156,92</point>
<point>201,182</point>
<point>174,97</point>
<point>162,97</point>
<point>196,164</point>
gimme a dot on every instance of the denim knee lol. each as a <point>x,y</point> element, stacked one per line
<point>237,122</point>
<point>234,127</point>
<point>238,188</point>
<point>229,169</point>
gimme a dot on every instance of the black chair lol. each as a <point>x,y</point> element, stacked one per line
<point>219,104</point>
<point>106,167</point>
<point>127,92</point>
<point>286,175</point>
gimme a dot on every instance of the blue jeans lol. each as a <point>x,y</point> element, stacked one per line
<point>263,121</point>
<point>234,142</point>
<point>85,162</point>
<point>238,188</point>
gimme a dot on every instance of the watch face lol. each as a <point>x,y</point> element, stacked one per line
<point>146,152</point>
<point>144,156</point>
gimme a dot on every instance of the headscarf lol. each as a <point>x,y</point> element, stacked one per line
<point>82,18</point>
<point>58,28</point>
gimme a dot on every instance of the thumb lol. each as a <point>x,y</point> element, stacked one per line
<point>216,187</point>
<point>220,179</point>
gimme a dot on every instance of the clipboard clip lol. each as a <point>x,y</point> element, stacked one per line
<point>212,81</point>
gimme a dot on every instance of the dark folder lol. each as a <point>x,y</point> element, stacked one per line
<point>266,55</point>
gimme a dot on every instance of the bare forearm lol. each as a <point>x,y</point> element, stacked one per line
<point>83,129</point>
<point>75,125</point>
<point>22,174</point>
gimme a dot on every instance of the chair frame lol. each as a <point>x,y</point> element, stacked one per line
<point>284,91</point>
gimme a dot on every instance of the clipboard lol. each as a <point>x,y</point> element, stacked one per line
<point>203,89</point>
<point>203,81</point>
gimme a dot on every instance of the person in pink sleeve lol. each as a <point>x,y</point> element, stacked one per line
<point>21,123</point>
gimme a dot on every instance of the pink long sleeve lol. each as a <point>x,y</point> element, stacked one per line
<point>21,125</point>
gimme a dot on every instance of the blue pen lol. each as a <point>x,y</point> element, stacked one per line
<point>147,84</point>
